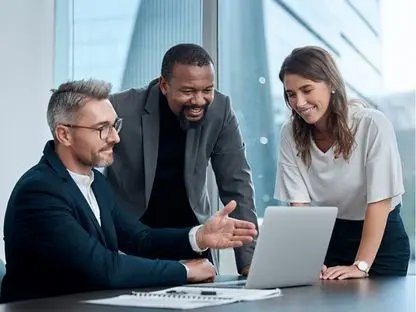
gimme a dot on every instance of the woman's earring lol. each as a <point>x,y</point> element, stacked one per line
<point>333,91</point>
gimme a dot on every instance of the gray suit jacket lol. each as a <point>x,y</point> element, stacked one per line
<point>217,139</point>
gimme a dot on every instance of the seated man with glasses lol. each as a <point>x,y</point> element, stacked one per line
<point>63,230</point>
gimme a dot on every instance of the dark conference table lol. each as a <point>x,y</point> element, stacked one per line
<point>387,294</point>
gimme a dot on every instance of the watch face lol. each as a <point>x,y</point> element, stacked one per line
<point>363,266</point>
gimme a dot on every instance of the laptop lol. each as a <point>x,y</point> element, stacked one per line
<point>291,248</point>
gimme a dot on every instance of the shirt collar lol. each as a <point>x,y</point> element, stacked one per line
<point>81,179</point>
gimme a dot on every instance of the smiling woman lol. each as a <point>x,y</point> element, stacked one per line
<point>331,154</point>
<point>308,91</point>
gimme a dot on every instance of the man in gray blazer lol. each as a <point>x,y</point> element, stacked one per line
<point>171,130</point>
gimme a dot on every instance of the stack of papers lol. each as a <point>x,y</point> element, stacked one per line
<point>188,297</point>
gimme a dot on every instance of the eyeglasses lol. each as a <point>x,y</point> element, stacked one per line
<point>104,130</point>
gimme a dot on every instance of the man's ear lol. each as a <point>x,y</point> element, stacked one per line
<point>63,135</point>
<point>163,82</point>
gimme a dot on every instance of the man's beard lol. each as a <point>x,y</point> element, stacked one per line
<point>185,123</point>
<point>95,160</point>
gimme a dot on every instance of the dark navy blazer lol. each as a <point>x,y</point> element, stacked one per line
<point>54,244</point>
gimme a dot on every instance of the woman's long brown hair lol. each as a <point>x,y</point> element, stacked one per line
<point>317,64</point>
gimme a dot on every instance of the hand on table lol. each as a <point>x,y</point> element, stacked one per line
<point>341,272</point>
<point>200,270</point>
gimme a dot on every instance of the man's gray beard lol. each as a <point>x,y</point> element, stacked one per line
<point>95,161</point>
<point>184,122</point>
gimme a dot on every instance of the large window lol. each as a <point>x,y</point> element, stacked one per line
<point>121,41</point>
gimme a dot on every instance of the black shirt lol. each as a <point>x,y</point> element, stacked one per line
<point>169,205</point>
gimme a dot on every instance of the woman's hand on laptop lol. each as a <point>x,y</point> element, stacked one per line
<point>341,272</point>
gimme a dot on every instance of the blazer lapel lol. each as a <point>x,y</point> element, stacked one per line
<point>150,122</point>
<point>107,224</point>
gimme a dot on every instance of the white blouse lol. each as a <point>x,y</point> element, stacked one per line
<point>372,173</point>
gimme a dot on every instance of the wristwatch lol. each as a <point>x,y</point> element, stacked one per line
<point>362,266</point>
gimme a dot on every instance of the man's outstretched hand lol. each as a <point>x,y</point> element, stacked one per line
<point>221,231</point>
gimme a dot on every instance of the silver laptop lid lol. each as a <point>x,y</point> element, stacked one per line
<point>291,246</point>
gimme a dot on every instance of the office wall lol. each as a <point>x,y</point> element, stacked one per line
<point>26,76</point>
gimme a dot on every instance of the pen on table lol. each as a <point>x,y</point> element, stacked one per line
<point>202,292</point>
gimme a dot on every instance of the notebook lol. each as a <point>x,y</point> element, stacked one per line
<point>187,297</point>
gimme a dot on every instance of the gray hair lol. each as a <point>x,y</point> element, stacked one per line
<point>71,96</point>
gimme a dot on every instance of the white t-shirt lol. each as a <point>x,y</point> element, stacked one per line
<point>372,173</point>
